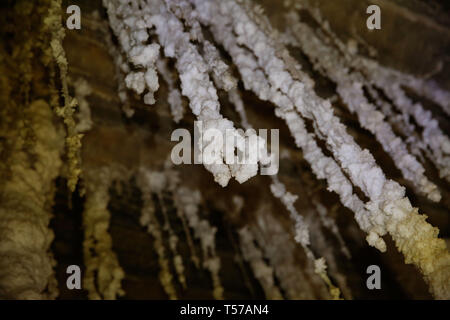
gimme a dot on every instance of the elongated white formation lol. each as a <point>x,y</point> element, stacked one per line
<point>188,201</point>
<point>193,72</point>
<point>103,276</point>
<point>82,90</point>
<point>390,210</point>
<point>433,142</point>
<point>187,204</point>
<point>128,24</point>
<point>288,199</point>
<point>429,89</point>
<point>330,224</point>
<point>294,279</point>
<point>301,228</point>
<point>150,182</point>
<point>387,202</point>
<point>254,79</point>
<point>262,271</point>
<point>350,88</point>
<point>273,75</point>
<point>174,99</point>
<point>436,142</point>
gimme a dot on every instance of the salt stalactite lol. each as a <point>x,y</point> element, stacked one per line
<point>129,24</point>
<point>429,89</point>
<point>406,129</point>
<point>218,69</point>
<point>255,80</point>
<point>320,244</point>
<point>149,220</point>
<point>204,102</point>
<point>270,236</point>
<point>278,189</point>
<point>301,228</point>
<point>103,275</point>
<point>174,99</point>
<point>320,268</point>
<point>288,199</point>
<point>157,183</point>
<point>188,201</point>
<point>302,232</point>
<point>26,265</point>
<point>263,272</point>
<point>238,204</point>
<point>82,90</point>
<point>390,211</point>
<point>121,69</point>
<point>173,184</point>
<point>437,150</point>
<point>330,224</point>
<point>195,82</point>
<point>435,143</point>
<point>235,98</point>
<point>327,60</point>
<point>53,26</point>
<point>183,11</point>
<point>187,204</point>
<point>173,243</point>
